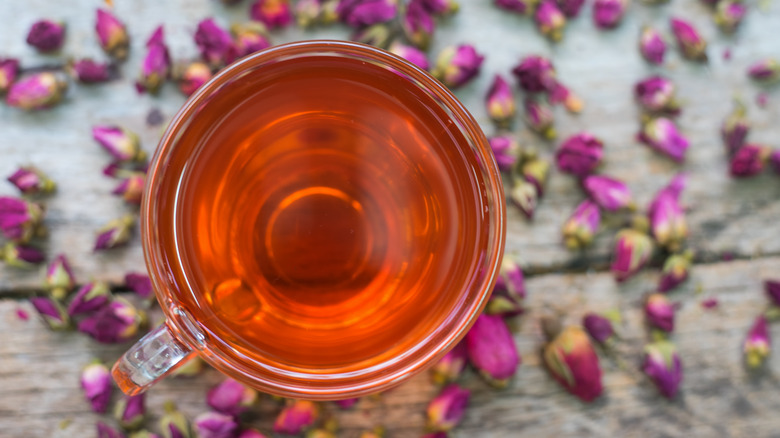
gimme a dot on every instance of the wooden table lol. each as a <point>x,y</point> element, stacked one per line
<point>39,388</point>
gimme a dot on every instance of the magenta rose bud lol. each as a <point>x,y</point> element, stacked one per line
<point>735,129</point>
<point>675,271</point>
<point>249,38</point>
<point>447,409</point>
<point>116,322</point>
<point>561,94</point>
<point>378,35</point>
<point>633,249</point>
<point>46,35</point>
<point>525,196</point>
<point>173,424</point>
<point>581,227</point>
<point>652,45</point>
<point>609,193</point>
<point>112,35</point>
<point>757,344</point>
<point>411,54</point>
<point>500,102</point>
<point>193,76</point>
<point>772,289</point>
<point>89,298</point>
<point>657,94</point>
<point>364,13</point>
<point>572,361</point>
<point>215,425</point>
<point>59,280</point>
<point>523,7</point>
<point>505,150</point>
<point>121,143</point>
<point>440,7</point>
<point>535,170</point>
<point>729,14</point>
<point>417,24</point>
<point>662,365</point>
<point>156,66</point>
<point>21,256</point>
<point>214,43</point>
<point>491,350</point>
<point>571,8</point>
<point>580,154</point>
<point>539,117</point>
<point>689,40</point>
<point>598,327</point>
<point>231,397</point>
<point>451,365</point>
<point>131,188</point>
<point>9,69</point>
<point>52,312</point>
<point>749,160</point>
<point>310,12</point>
<point>509,291</point>
<point>607,14</point>
<point>347,403</point>
<point>662,135</point>
<point>666,216</point>
<point>88,71</point>
<point>549,19</point>
<point>106,431</point>
<point>36,92</point>
<point>457,65</point>
<point>296,417</point>
<point>96,382</point>
<point>767,71</point>
<point>31,181</point>
<point>659,312</point>
<point>114,234</point>
<point>272,13</point>
<point>19,219</point>
<point>535,74</point>
<point>139,283</point>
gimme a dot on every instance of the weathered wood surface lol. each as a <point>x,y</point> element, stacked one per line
<point>39,369</point>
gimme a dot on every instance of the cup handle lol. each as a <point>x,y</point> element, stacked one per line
<point>153,357</point>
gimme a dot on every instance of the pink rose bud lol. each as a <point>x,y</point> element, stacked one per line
<point>659,312</point>
<point>440,7</point>
<point>757,344</point>
<point>666,216</point>
<point>491,349</point>
<point>728,15</point>
<point>59,279</point>
<point>89,298</point>
<point>662,135</point>
<point>735,129</point>
<point>539,117</point>
<point>31,181</point>
<point>46,35</point>
<point>772,289</point>
<point>580,154</point>
<point>174,424</point>
<point>607,14</point>
<point>363,13</point>
<point>633,249</point>
<point>121,143</point>
<point>115,233</point>
<point>451,365</point>
<point>571,8</point>
<point>38,91</point>
<point>231,397</point>
<point>581,227</point>
<point>378,35</point>
<point>112,35</point>
<point>251,433</point>
<point>675,271</point>
<point>96,382</point>
<point>652,45</point>
<point>523,7</point>
<point>535,74</point>
<point>609,193</point>
<point>19,219</point>
<point>709,303</point>
<point>535,170</point>
<point>500,102</point>
<point>21,256</point>
<point>457,65</point>
<point>131,188</point>
<point>525,196</point>
<point>215,425</point>
<point>573,363</point>
<point>310,12</point>
<point>598,327</point>
<point>561,94</point>
<point>749,160</point>
<point>657,94</point>
<point>509,291</point>
<point>156,65</point>
<point>448,408</point>
<point>106,431</point>
<point>505,150</point>
<point>9,69</point>
<point>662,365</point>
<point>116,322</point>
<point>549,19</point>
<point>417,24</point>
<point>767,71</point>
<point>88,71</point>
<point>347,403</point>
<point>411,54</point>
<point>689,41</point>
<point>139,283</point>
<point>249,38</point>
<point>273,13</point>
<point>296,417</point>
<point>193,76</point>
<point>215,44</point>
<point>52,312</point>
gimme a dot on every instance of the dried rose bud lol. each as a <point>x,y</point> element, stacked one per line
<point>9,69</point>
<point>580,154</point>
<point>657,94</point>
<point>174,424</point>
<point>143,434</point>
<point>139,283</point>
<point>571,360</point>
<point>491,349</point>
<point>106,431</point>
<point>772,289</point>
<point>607,14</point>
<point>31,181</point>
<point>46,35</point>
<point>19,219</point>
<point>659,312</point>
<point>296,417</point>
<point>579,230</point>
<point>662,365</point>
<point>131,188</point>
<point>728,15</point>
<point>749,160</point>
<point>310,12</point>
<point>191,368</point>
<point>156,65</point>
<point>767,71</point>
<point>378,35</point>
<point>411,54</point>
<point>38,91</point>
<point>96,382</point>
<point>52,312</point>
<point>539,117</point>
<point>363,13</point>
<point>505,150</point>
<point>662,135</point>
<point>451,365</point>
<point>116,322</point>
<point>272,13</point>
<point>709,303</point>
<point>215,425</point>
<point>633,249</point>
<point>561,94</point>
<point>535,170</point>
<point>690,42</point>
<point>112,35</point>
<point>21,256</point>
<point>652,45</point>
<point>535,74</point>
<point>88,71</point>
<point>89,298</point>
<point>121,143</point>
<point>214,43</point>
<point>59,279</point>
<point>348,402</point>
<point>231,397</point>
<point>457,65</point>
<point>525,196</point>
<point>549,19</point>
<point>609,193</point>
<point>571,8</point>
<point>249,38</point>
<point>523,7</point>
<point>735,129</point>
<point>251,433</point>
<point>436,435</point>
<point>667,218</point>
<point>440,7</point>
<point>193,76</point>
<point>447,409</point>
<point>509,291</point>
<point>675,271</point>
<point>115,233</point>
<point>500,102</point>
<point>598,327</point>
<point>418,25</point>
<point>756,346</point>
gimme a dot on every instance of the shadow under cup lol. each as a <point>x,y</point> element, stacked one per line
<point>322,221</point>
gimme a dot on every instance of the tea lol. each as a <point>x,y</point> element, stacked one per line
<point>319,215</point>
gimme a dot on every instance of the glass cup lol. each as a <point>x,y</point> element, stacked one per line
<point>183,335</point>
